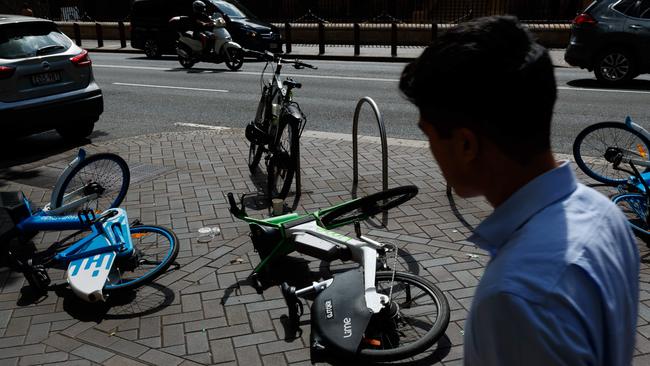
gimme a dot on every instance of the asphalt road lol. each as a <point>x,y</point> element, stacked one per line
<point>146,96</point>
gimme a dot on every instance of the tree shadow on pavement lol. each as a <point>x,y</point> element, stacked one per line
<point>636,84</point>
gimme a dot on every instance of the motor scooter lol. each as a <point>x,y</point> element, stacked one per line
<point>222,48</point>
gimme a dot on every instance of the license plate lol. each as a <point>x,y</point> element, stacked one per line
<point>273,45</point>
<point>46,78</point>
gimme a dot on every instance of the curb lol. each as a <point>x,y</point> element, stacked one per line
<point>396,59</point>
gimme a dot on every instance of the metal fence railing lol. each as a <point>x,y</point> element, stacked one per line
<point>411,11</point>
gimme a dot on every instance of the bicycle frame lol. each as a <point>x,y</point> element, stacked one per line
<point>90,259</point>
<point>303,231</point>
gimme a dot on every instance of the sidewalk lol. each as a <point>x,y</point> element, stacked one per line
<point>307,52</point>
<point>203,313</point>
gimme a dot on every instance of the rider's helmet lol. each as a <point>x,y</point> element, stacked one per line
<point>198,7</point>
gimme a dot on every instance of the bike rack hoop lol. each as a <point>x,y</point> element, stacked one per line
<point>355,152</point>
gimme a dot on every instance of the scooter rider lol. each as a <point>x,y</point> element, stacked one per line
<point>202,25</point>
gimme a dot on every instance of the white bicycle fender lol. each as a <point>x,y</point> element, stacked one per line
<point>87,276</point>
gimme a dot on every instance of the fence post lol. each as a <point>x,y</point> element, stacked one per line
<point>122,34</point>
<point>100,35</point>
<point>393,40</point>
<point>434,30</point>
<point>321,38</point>
<point>287,36</point>
<point>77,34</point>
<point>357,39</point>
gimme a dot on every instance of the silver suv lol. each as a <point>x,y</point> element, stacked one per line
<point>612,38</point>
<point>46,81</point>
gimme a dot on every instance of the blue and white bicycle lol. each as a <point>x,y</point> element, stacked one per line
<point>112,255</point>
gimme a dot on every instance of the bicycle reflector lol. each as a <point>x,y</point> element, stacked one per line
<point>642,151</point>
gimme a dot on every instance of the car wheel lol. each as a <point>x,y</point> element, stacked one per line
<point>151,49</point>
<point>76,131</point>
<point>615,67</point>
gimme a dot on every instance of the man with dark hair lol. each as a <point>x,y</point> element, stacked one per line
<point>561,287</point>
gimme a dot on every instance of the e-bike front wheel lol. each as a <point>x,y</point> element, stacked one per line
<point>284,161</point>
<point>98,183</point>
<point>635,208</point>
<point>417,317</point>
<point>362,208</point>
<point>155,249</point>
<point>590,146</point>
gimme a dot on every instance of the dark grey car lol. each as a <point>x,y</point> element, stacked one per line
<point>46,81</point>
<point>612,38</point>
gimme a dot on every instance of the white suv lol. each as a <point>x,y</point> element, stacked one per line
<point>46,81</point>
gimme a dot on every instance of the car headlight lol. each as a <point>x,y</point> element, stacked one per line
<point>251,33</point>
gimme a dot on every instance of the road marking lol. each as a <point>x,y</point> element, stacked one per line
<point>171,87</point>
<point>306,76</point>
<point>355,78</point>
<point>603,90</point>
<point>196,125</point>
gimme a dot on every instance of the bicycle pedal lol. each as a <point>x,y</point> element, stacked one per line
<point>38,278</point>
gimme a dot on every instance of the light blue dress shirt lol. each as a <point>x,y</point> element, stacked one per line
<point>561,287</point>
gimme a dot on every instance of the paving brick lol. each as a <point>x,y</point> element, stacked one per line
<point>122,361</point>
<point>160,358</point>
<point>9,361</point>
<point>37,333</point>
<point>150,327</point>
<point>17,326</point>
<point>248,356</point>
<point>261,321</point>
<point>62,343</point>
<point>274,360</point>
<point>93,353</point>
<point>222,350</point>
<point>191,302</point>
<point>43,358</point>
<point>22,350</point>
<point>231,331</point>
<point>280,346</point>
<point>173,335</point>
<point>236,314</point>
<point>182,317</point>
<point>204,325</point>
<point>255,338</point>
<point>197,342</point>
<point>128,348</point>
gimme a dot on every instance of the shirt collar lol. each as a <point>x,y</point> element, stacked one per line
<point>536,195</point>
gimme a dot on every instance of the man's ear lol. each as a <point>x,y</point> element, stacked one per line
<point>467,144</point>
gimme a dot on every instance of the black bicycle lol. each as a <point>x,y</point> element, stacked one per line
<point>278,124</point>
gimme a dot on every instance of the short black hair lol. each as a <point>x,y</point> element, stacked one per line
<point>490,76</point>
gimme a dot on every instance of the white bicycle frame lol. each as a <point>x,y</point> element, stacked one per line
<point>362,251</point>
<point>50,208</point>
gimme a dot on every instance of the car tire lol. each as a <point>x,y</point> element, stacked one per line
<point>152,49</point>
<point>615,66</point>
<point>77,131</point>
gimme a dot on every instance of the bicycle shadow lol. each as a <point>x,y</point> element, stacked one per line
<point>441,350</point>
<point>146,300</point>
